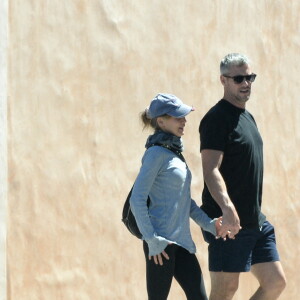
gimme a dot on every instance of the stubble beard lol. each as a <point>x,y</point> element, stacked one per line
<point>243,99</point>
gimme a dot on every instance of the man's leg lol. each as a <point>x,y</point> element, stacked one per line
<point>227,259</point>
<point>223,285</point>
<point>266,266</point>
<point>271,278</point>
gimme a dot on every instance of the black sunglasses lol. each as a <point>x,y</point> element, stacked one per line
<point>240,78</point>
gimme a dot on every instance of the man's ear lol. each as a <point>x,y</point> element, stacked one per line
<point>222,79</point>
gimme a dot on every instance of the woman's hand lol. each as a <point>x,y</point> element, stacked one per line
<point>158,259</point>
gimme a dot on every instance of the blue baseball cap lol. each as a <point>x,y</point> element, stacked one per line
<point>167,104</point>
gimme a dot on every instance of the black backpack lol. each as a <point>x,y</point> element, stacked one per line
<point>127,216</point>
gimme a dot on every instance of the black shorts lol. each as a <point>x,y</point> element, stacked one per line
<point>250,246</point>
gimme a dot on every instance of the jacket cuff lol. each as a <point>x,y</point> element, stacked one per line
<point>211,227</point>
<point>156,245</point>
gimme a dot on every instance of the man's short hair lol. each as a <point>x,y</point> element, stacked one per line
<point>233,59</point>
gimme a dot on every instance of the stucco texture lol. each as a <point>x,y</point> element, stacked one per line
<point>79,74</point>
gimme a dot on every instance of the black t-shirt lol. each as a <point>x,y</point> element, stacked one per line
<point>233,131</point>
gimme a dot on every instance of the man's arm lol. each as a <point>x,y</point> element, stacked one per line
<point>211,162</point>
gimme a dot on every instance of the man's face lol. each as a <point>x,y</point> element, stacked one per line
<point>238,93</point>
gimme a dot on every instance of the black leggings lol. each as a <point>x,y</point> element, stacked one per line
<point>183,266</point>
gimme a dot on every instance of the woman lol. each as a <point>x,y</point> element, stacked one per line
<point>165,177</point>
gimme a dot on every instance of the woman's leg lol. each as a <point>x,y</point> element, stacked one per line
<point>189,275</point>
<point>159,278</point>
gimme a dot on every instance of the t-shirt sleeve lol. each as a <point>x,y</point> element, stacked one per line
<point>213,132</point>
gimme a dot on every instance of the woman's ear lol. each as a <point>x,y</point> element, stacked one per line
<point>160,122</point>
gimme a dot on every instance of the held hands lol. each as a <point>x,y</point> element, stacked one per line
<point>228,225</point>
<point>221,232</point>
<point>231,221</point>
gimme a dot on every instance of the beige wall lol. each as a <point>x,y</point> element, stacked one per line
<point>3,143</point>
<point>79,73</point>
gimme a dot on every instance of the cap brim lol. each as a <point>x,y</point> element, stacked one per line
<point>182,111</point>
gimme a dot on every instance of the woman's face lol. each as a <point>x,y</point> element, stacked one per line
<point>172,125</point>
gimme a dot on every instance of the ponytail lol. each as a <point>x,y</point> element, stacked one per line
<point>147,121</point>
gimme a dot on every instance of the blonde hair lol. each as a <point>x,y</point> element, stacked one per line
<point>149,122</point>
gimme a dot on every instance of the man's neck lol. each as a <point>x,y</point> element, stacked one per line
<point>236,103</point>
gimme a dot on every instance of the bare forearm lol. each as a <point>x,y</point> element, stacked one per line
<point>217,188</point>
<point>211,162</point>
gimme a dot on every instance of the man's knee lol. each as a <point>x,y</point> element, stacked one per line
<point>277,284</point>
<point>226,293</point>
<point>224,286</point>
<point>271,277</point>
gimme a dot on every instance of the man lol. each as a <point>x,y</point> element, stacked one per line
<point>232,160</point>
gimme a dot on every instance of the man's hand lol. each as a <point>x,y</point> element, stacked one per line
<point>230,222</point>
